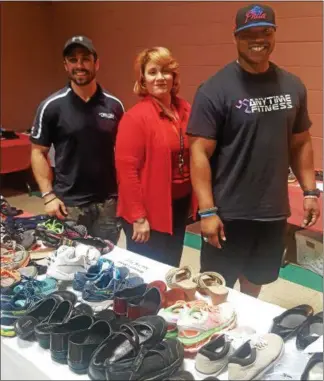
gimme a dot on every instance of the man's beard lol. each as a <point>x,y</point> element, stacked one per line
<point>83,81</point>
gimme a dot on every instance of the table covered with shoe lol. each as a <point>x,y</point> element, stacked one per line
<point>92,309</point>
<point>26,359</point>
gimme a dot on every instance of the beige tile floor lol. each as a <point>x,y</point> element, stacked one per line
<point>282,292</point>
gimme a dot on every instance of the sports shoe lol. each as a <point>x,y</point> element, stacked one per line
<point>199,325</point>
<point>213,357</point>
<point>30,286</point>
<point>106,286</point>
<point>93,273</point>
<point>255,357</point>
<point>13,259</point>
<point>19,304</point>
<point>68,260</point>
<point>173,313</point>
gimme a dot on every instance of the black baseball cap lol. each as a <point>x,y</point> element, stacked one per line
<point>81,41</point>
<point>254,15</point>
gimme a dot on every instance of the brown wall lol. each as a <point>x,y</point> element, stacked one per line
<point>27,61</point>
<point>198,33</point>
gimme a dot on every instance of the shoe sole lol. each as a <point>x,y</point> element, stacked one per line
<point>265,370</point>
<point>77,370</point>
<point>213,374</point>
<point>60,357</point>
<point>7,331</point>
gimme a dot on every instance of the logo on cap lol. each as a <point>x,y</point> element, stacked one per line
<point>256,13</point>
<point>77,38</point>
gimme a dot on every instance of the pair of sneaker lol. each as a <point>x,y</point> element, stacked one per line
<point>249,360</point>
<point>196,323</point>
<point>66,261</point>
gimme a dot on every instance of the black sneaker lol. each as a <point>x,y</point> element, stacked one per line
<point>148,364</point>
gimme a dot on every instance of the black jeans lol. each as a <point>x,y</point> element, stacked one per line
<point>163,247</point>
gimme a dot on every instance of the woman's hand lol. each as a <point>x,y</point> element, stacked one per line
<point>141,230</point>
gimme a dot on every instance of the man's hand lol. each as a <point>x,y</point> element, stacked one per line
<point>311,212</point>
<point>55,207</point>
<point>212,228</point>
<point>141,230</point>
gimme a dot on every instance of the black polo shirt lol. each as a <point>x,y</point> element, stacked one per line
<point>83,135</point>
<point>252,117</point>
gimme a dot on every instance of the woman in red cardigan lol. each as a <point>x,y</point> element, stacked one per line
<point>152,161</point>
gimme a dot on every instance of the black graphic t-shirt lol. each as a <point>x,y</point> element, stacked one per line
<point>252,117</point>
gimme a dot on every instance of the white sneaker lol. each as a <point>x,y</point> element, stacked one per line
<point>68,260</point>
<point>255,357</point>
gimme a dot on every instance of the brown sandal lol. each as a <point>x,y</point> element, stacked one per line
<point>182,278</point>
<point>213,285</point>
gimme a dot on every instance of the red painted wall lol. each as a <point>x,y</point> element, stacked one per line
<point>198,33</point>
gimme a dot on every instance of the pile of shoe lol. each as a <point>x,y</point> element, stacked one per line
<point>104,282</point>
<point>16,263</point>
<point>7,210</point>
<point>20,297</point>
<point>11,236</point>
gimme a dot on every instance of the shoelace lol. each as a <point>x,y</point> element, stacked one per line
<point>53,225</point>
<point>258,342</point>
<point>194,304</point>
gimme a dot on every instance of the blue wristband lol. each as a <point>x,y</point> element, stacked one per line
<point>204,215</point>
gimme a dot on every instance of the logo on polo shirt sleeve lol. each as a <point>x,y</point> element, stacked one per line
<point>107,115</point>
<point>266,104</point>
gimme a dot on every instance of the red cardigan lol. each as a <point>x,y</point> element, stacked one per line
<point>143,163</point>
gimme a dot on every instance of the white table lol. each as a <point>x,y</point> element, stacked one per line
<point>23,360</point>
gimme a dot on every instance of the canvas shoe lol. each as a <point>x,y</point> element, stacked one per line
<point>199,325</point>
<point>213,357</point>
<point>68,260</point>
<point>255,357</point>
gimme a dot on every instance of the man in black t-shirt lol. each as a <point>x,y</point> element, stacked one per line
<point>249,123</point>
<point>80,121</point>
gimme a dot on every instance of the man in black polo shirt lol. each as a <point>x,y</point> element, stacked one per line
<point>81,122</point>
<point>249,122</point>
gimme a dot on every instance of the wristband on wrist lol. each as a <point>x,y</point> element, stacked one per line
<point>314,192</point>
<point>311,197</point>
<point>44,194</point>
<point>208,212</point>
<point>52,199</point>
<point>208,215</point>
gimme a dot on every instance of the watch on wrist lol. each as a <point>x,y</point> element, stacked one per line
<point>314,192</point>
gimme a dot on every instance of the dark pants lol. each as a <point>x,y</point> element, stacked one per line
<point>163,247</point>
<point>99,219</point>
<point>252,248</point>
